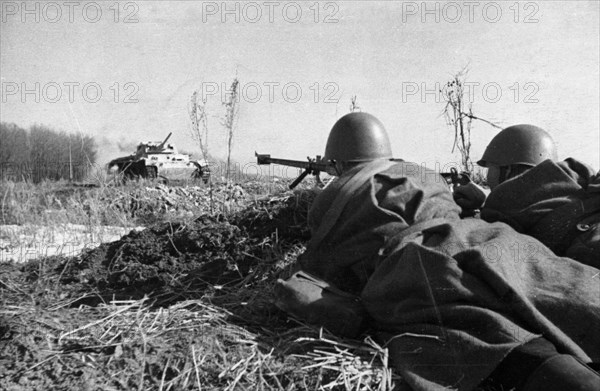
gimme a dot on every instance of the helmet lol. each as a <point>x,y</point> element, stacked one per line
<point>357,137</point>
<point>519,144</point>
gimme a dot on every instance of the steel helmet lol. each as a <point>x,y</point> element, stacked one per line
<point>357,137</point>
<point>519,144</point>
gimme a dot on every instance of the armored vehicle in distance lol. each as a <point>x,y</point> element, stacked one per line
<point>159,160</point>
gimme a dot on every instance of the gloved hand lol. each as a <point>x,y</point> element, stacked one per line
<point>469,196</point>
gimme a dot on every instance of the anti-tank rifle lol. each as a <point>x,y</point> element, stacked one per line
<point>317,165</point>
<point>312,166</point>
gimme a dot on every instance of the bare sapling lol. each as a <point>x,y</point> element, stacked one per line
<point>458,112</point>
<point>199,128</point>
<point>199,132</point>
<point>229,120</point>
<point>354,105</point>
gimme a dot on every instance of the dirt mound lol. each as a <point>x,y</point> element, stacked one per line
<point>168,260</point>
<point>164,257</point>
<point>285,215</point>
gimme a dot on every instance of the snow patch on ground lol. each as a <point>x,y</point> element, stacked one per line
<point>21,243</point>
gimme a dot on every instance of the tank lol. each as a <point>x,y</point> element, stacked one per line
<point>159,160</point>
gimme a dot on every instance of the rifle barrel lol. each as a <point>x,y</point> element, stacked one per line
<point>267,159</point>
<point>299,164</point>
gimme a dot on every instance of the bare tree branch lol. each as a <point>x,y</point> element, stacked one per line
<point>231,114</point>
<point>353,105</point>
<point>199,123</point>
<point>460,118</point>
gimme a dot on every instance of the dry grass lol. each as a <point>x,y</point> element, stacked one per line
<point>180,306</point>
<point>134,203</point>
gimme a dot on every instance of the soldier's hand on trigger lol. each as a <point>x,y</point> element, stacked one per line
<point>469,196</point>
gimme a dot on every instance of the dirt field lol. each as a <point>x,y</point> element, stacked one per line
<point>179,305</point>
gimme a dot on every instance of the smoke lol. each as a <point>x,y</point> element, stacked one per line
<point>109,149</point>
<point>128,147</point>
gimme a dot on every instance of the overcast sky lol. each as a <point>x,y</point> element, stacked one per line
<point>529,62</point>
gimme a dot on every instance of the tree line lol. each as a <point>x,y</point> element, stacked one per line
<point>41,153</point>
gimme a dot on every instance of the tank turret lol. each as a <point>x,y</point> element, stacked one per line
<point>162,145</point>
